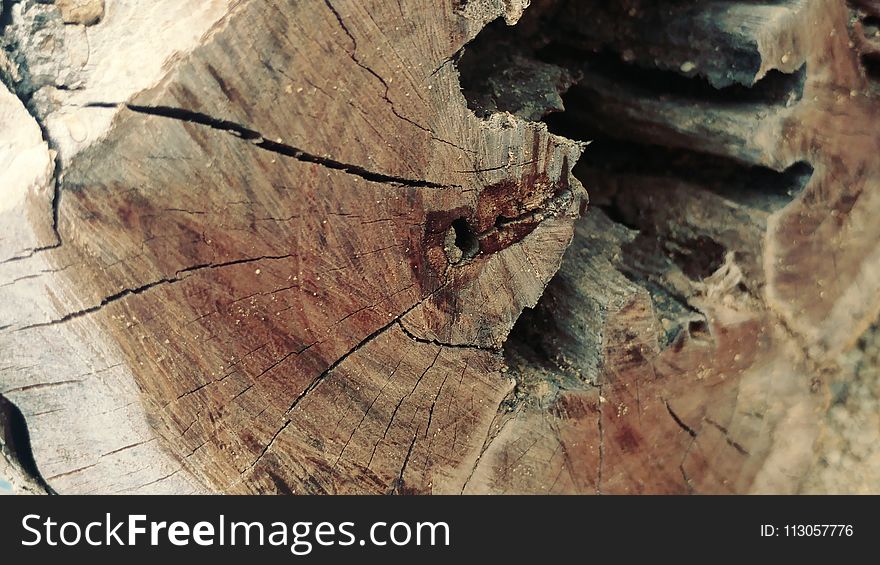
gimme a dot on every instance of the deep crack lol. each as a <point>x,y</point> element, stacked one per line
<point>258,140</point>
<point>178,276</point>
<point>679,421</point>
<point>15,443</point>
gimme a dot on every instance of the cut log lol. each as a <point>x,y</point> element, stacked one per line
<point>239,301</point>
<point>329,247</point>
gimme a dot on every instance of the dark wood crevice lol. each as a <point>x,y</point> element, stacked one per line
<point>692,112</point>
<point>546,51</point>
<point>15,443</point>
<point>864,29</point>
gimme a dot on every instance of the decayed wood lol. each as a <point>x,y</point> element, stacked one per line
<point>725,42</point>
<point>820,115</point>
<point>685,354</point>
<point>282,254</point>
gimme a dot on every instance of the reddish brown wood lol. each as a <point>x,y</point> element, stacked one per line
<point>289,251</point>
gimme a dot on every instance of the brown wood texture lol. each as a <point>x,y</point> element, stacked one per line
<point>286,247</point>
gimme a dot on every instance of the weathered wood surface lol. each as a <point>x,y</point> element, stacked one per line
<point>282,254</point>
<point>242,301</point>
<point>699,331</point>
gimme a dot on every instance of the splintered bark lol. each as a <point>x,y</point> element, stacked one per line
<point>330,246</point>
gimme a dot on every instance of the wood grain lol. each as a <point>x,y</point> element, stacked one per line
<point>330,247</point>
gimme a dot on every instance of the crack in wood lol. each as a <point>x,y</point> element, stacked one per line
<point>276,147</point>
<point>730,441</point>
<point>324,374</point>
<point>398,482</point>
<point>353,56</point>
<point>679,421</point>
<point>487,443</point>
<point>418,339</point>
<point>180,275</point>
<point>15,445</point>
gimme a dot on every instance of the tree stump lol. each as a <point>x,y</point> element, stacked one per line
<point>270,246</point>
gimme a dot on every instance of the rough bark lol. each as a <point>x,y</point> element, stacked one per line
<point>287,251</point>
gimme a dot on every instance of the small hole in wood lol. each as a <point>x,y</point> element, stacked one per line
<point>871,64</point>
<point>699,330</point>
<point>461,242</point>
